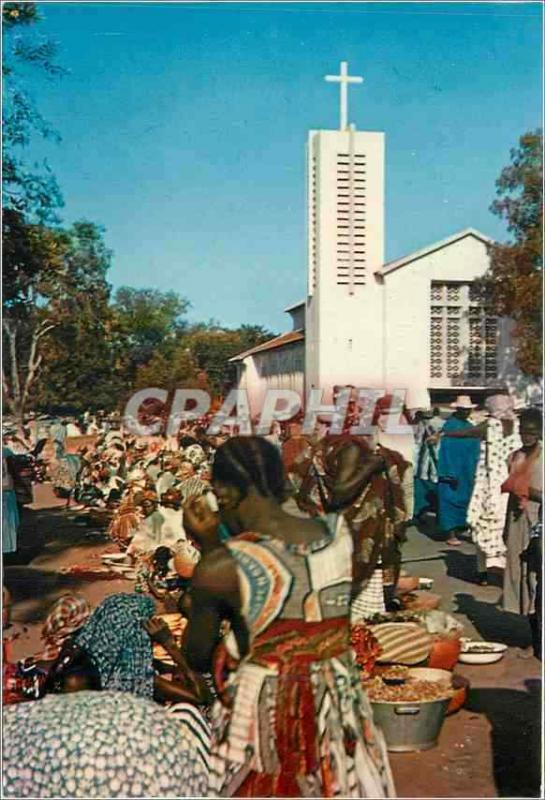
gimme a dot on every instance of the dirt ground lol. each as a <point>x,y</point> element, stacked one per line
<point>491,748</point>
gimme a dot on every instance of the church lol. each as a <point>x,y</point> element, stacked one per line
<point>415,325</point>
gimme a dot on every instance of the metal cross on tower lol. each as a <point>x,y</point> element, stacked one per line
<point>344,79</point>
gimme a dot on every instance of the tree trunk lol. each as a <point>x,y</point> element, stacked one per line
<point>17,398</point>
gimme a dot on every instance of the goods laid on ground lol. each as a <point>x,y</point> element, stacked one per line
<point>474,652</point>
<point>410,690</point>
<point>402,642</point>
<point>411,713</point>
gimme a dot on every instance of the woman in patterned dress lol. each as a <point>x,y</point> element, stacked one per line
<point>293,719</point>
<point>499,437</point>
<point>488,506</point>
<point>126,519</point>
<point>373,489</point>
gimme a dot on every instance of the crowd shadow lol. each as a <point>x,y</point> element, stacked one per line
<point>494,624</point>
<point>43,535</point>
<point>463,566</point>
<point>49,532</point>
<point>515,720</point>
<point>428,527</point>
<point>28,583</point>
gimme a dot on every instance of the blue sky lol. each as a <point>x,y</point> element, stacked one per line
<point>184,126</point>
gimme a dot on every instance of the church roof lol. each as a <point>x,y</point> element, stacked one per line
<point>295,305</point>
<point>401,262</point>
<point>272,344</point>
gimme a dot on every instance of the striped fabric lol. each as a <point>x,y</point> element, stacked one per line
<point>370,600</point>
<point>402,642</point>
<point>195,726</point>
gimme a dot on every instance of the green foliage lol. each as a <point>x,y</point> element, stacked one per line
<point>15,14</point>
<point>58,326</point>
<point>514,281</point>
<point>213,347</point>
<point>28,188</point>
<point>170,370</point>
<point>150,322</point>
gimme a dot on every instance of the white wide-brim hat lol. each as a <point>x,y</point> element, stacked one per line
<point>463,401</point>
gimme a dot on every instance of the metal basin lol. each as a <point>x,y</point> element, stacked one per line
<point>408,727</point>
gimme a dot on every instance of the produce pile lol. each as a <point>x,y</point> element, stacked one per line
<point>410,691</point>
<point>397,673</point>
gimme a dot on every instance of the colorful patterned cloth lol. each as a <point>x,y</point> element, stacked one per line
<point>66,617</point>
<point>118,644</point>
<point>299,723</point>
<point>376,516</point>
<point>97,745</point>
<point>124,522</point>
<point>488,506</point>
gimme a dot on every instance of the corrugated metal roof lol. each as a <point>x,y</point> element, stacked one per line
<point>279,341</point>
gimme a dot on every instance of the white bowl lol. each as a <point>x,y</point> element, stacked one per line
<point>425,583</point>
<point>429,674</point>
<point>114,557</point>
<point>496,651</point>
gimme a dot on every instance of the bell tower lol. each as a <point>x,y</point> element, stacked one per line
<point>345,196</point>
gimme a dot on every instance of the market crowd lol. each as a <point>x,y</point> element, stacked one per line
<point>267,602</point>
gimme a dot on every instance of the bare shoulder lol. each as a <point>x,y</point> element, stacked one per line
<point>216,573</point>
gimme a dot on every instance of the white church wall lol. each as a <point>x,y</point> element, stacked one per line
<point>297,314</point>
<point>282,368</point>
<point>344,321</point>
<point>407,317</point>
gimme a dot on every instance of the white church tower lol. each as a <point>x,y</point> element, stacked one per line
<point>345,304</point>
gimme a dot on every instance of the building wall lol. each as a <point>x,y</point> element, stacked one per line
<point>297,315</point>
<point>346,248</point>
<point>407,319</point>
<point>282,368</point>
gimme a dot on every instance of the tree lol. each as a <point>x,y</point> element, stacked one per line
<point>150,322</point>
<point>514,280</point>
<point>32,253</point>
<point>30,189</point>
<point>83,351</point>
<point>32,266</point>
<point>212,347</point>
<point>57,322</point>
<point>168,370</point>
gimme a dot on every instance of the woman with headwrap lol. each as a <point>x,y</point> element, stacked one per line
<point>115,639</point>
<point>26,679</point>
<point>67,615</point>
<point>458,459</point>
<point>126,519</point>
<point>372,487</point>
<point>111,649</point>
